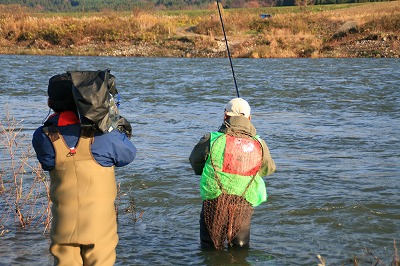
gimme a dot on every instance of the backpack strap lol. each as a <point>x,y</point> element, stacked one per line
<point>52,132</point>
<point>82,149</point>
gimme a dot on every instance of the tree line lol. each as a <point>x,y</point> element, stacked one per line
<point>124,5</point>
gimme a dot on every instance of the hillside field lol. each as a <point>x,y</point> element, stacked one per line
<point>323,31</point>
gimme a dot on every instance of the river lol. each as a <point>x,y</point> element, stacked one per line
<point>332,126</point>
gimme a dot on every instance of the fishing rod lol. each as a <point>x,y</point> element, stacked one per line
<point>227,49</point>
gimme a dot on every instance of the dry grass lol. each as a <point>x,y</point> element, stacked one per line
<point>24,188</point>
<point>125,204</point>
<point>290,32</point>
<point>66,31</point>
<point>369,258</point>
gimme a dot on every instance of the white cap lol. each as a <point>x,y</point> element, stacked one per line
<point>238,107</point>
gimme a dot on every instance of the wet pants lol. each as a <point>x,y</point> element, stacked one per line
<point>242,239</point>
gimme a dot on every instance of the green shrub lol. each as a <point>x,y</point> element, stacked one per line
<point>25,36</point>
<point>51,35</point>
<point>260,26</point>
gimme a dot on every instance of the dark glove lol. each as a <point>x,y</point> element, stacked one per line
<point>125,127</point>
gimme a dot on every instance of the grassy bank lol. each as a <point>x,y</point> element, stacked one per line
<point>356,30</point>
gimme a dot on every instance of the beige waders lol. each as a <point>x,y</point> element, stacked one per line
<point>84,225</point>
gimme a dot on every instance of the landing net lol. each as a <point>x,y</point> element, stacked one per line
<point>236,161</point>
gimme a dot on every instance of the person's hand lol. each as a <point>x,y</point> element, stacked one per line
<point>125,127</point>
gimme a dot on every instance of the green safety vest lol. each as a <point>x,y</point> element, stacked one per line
<point>233,167</point>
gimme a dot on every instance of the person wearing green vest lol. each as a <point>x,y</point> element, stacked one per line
<point>232,163</point>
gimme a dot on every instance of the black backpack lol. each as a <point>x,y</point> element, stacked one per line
<point>94,93</point>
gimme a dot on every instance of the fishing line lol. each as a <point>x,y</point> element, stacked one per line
<point>227,48</point>
<point>47,116</point>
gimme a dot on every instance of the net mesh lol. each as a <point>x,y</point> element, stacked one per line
<point>234,173</point>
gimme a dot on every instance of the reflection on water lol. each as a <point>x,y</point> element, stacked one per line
<point>331,124</point>
<point>223,257</point>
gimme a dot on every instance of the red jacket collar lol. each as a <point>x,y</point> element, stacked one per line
<point>64,118</point>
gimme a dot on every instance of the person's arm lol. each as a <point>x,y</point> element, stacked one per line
<point>44,149</point>
<point>113,148</point>
<point>199,154</point>
<point>124,149</point>
<point>268,164</point>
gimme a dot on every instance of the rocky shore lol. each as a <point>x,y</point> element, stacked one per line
<point>349,45</point>
<point>353,46</point>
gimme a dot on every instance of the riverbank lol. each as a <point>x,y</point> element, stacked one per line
<point>352,30</point>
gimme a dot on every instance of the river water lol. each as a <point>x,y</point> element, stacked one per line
<point>332,126</point>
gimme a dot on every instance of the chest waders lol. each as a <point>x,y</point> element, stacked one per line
<point>84,226</point>
<point>231,186</point>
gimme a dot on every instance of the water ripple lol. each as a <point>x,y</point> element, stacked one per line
<point>331,125</point>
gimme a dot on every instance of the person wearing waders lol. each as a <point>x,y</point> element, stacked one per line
<point>232,163</point>
<point>83,186</point>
